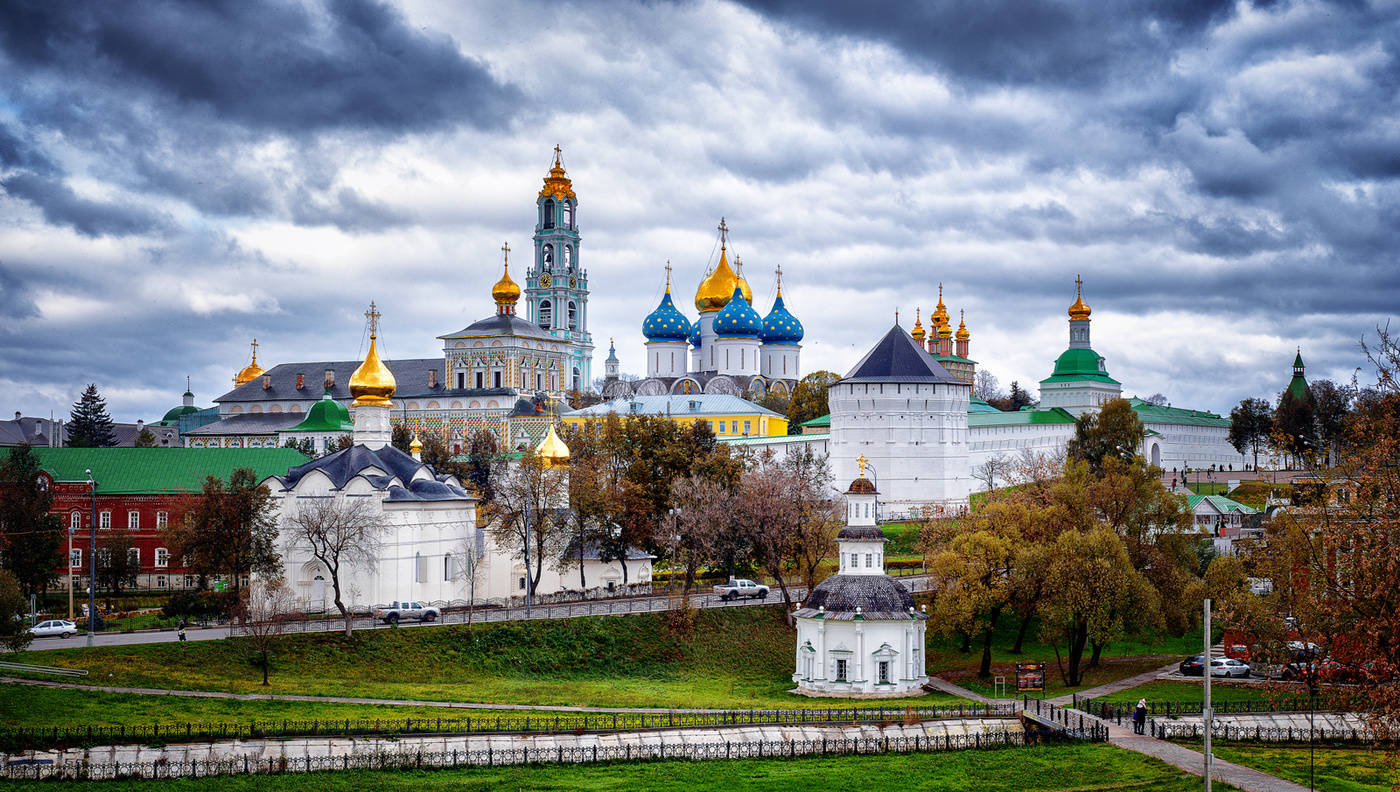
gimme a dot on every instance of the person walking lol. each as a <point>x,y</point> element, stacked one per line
<point>1140,716</point>
<point>182,629</point>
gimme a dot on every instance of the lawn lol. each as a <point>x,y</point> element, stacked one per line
<point>903,540</point>
<point>1036,769</point>
<point>1193,691</point>
<point>1120,659</point>
<point>1335,769</point>
<point>735,658</point>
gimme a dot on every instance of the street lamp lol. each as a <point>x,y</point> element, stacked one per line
<point>92,560</point>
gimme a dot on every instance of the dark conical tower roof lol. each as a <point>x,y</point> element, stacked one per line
<point>898,358</point>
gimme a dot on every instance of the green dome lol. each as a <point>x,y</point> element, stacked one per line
<point>1078,363</point>
<point>174,413</point>
<point>326,415</point>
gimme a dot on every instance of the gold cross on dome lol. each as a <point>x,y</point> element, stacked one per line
<point>373,316</point>
<point>668,275</point>
<point>255,350</point>
<point>861,461</point>
<point>505,250</point>
<point>723,233</point>
<point>557,152</point>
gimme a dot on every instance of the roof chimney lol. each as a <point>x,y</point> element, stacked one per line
<point>330,378</point>
<point>301,380</point>
<point>267,382</point>
<point>16,415</point>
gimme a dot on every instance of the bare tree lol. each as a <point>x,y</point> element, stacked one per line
<point>262,615</point>
<point>769,515</point>
<point>468,567</point>
<point>703,522</point>
<point>986,387</point>
<point>531,515</point>
<point>341,533</point>
<point>818,515</point>
<point>993,468</point>
<point>1157,399</point>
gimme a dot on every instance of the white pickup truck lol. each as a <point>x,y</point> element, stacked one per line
<point>735,589</point>
<point>397,611</point>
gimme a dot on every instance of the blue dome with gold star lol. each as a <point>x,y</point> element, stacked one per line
<point>666,323</point>
<point>738,319</point>
<point>780,326</point>
<point>695,335</point>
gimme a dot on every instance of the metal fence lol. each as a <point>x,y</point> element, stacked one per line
<point>487,723</point>
<point>1120,713</point>
<point>414,760</point>
<point>1064,720</point>
<point>1185,730</point>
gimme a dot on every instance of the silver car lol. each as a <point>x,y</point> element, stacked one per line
<point>1228,667</point>
<point>58,627</point>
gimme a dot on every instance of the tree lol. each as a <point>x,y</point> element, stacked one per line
<point>1093,593</point>
<point>703,523</point>
<point>768,514</point>
<point>818,515</point>
<point>1331,406</point>
<point>483,466</point>
<point>1294,431</point>
<point>262,615</point>
<point>305,445</point>
<point>1018,397</point>
<point>1157,400</point>
<point>89,425</point>
<point>530,515</point>
<point>975,573</point>
<point>778,402</point>
<point>340,533</point>
<point>116,568</point>
<point>32,537</point>
<point>145,439</point>
<point>1114,431</point>
<point>231,530</point>
<point>809,398</point>
<point>1251,424</point>
<point>993,468</point>
<point>14,629</point>
<point>401,437</point>
<point>986,387</point>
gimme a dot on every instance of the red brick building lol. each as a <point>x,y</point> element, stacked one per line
<point>143,490</point>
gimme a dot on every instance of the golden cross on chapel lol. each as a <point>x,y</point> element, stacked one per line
<point>505,251</point>
<point>861,461</point>
<point>723,233</point>
<point>373,316</point>
<point>255,350</point>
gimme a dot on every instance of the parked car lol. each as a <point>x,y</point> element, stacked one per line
<point>1192,666</point>
<point>59,627</point>
<point>1239,652</point>
<point>1301,655</point>
<point>1228,667</point>
<point>736,589</point>
<point>397,611</point>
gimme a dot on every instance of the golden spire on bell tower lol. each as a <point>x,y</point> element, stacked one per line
<point>918,333</point>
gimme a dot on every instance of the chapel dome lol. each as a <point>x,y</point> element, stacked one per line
<point>780,326</point>
<point>552,449</point>
<point>1079,312</point>
<point>738,319</point>
<point>666,323</point>
<point>505,290</point>
<point>877,596</point>
<point>372,383</point>
<point>715,290</point>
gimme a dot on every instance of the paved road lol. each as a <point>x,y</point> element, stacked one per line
<point>606,607</point>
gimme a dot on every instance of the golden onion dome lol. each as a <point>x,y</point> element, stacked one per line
<point>552,449</point>
<point>963,335</point>
<point>251,371</point>
<point>416,447</point>
<point>918,332</point>
<point>716,289</point>
<point>505,290</point>
<point>1079,312</point>
<point>940,313</point>
<point>372,384</point>
<point>556,184</point>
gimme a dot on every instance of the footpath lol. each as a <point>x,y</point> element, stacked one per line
<point>1175,755</point>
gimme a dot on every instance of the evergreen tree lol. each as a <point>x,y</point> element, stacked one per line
<point>33,538</point>
<point>1250,424</point>
<point>401,438</point>
<point>1019,398</point>
<point>145,439</point>
<point>89,425</point>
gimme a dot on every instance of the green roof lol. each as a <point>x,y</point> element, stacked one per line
<point>824,420</point>
<point>952,359</point>
<point>1298,359</point>
<point>1222,504</point>
<point>1079,363</point>
<point>976,405</point>
<point>1054,415</point>
<point>173,414</point>
<point>773,440</point>
<point>1298,387</point>
<point>1152,413</point>
<point>326,415</point>
<point>140,471</point>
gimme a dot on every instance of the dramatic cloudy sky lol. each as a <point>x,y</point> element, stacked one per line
<point>177,178</point>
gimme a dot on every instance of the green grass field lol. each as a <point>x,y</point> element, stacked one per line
<point>1036,769</point>
<point>1192,691</point>
<point>1334,770</point>
<point>736,658</point>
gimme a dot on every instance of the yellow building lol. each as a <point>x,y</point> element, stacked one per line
<point>728,416</point>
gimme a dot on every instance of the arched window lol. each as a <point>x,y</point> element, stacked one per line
<point>568,214</point>
<point>547,258</point>
<point>549,213</point>
<point>75,521</point>
<point>573,315</point>
<point>569,257</point>
<point>546,314</point>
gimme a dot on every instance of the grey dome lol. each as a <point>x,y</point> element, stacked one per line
<point>877,596</point>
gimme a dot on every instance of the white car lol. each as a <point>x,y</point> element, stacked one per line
<point>1228,667</point>
<point>58,627</point>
